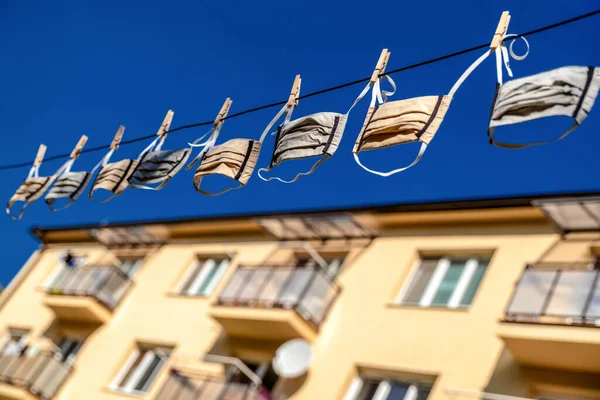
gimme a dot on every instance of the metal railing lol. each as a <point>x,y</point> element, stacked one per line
<point>311,292</point>
<point>41,374</point>
<point>559,292</point>
<point>107,284</point>
<point>181,386</point>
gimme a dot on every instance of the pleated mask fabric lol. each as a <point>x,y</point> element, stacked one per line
<point>30,190</point>
<point>568,91</point>
<point>114,177</point>
<point>158,167</point>
<point>235,159</point>
<point>69,185</point>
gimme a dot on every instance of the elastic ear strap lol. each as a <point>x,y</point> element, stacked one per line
<point>524,145</point>
<point>468,72</point>
<point>103,161</point>
<point>206,145</point>
<point>395,171</point>
<point>273,121</point>
<point>360,97</point>
<point>217,193</point>
<point>162,184</point>
<point>61,208</point>
<point>314,167</point>
<point>147,149</point>
<point>18,217</point>
<point>66,167</point>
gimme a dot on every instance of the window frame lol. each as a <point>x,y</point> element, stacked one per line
<point>137,264</point>
<point>384,387</point>
<point>8,338</point>
<point>134,376</point>
<point>471,264</point>
<point>191,278</point>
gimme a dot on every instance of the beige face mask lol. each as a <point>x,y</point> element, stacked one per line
<point>234,159</point>
<point>113,177</point>
<point>32,188</point>
<point>566,91</point>
<point>68,185</point>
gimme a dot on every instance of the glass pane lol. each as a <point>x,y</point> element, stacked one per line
<point>593,310</point>
<point>148,377</point>
<point>274,285</point>
<point>254,284</point>
<point>420,281</point>
<point>368,390</point>
<point>318,297</point>
<point>423,393</point>
<point>397,392</point>
<point>530,293</point>
<point>214,267</point>
<point>474,284</point>
<point>132,368</point>
<point>571,293</point>
<point>234,285</point>
<point>570,216</point>
<point>449,282</point>
<point>295,287</point>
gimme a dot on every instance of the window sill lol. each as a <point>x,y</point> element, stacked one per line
<point>118,392</point>
<point>430,308</point>
<point>187,296</point>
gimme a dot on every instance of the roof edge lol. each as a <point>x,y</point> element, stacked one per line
<point>443,205</point>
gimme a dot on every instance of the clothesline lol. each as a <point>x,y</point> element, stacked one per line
<point>316,93</point>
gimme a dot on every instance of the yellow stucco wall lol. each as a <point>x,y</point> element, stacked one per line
<point>364,329</point>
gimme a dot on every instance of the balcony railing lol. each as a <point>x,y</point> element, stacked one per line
<point>106,284</point>
<point>182,387</point>
<point>309,291</point>
<point>558,293</point>
<point>41,374</point>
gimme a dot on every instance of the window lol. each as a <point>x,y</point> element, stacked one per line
<point>444,282</point>
<point>388,389</point>
<point>263,370</point>
<point>68,349</point>
<point>204,275</point>
<point>141,368</point>
<point>14,342</point>
<point>130,265</point>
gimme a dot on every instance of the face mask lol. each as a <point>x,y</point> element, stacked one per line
<point>156,166</point>
<point>113,177</point>
<point>235,159</point>
<point>32,188</point>
<point>68,185</point>
<point>407,121</point>
<point>316,135</point>
<point>566,91</point>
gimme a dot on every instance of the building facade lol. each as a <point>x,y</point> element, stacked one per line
<point>496,299</point>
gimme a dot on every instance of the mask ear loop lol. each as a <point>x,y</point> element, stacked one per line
<point>206,146</point>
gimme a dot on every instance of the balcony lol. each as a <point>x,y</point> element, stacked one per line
<point>87,294</point>
<point>553,318</point>
<point>31,377</point>
<point>184,386</point>
<point>275,303</point>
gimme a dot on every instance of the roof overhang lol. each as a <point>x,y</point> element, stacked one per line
<point>570,215</point>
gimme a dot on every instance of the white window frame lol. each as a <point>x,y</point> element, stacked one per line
<point>435,281</point>
<point>7,339</point>
<point>141,369</point>
<point>383,389</point>
<point>198,272</point>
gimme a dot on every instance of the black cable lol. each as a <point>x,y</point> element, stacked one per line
<point>318,92</point>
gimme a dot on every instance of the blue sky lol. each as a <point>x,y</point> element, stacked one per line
<point>72,68</point>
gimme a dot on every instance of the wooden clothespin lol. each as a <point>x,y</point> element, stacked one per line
<point>295,93</point>
<point>117,139</point>
<point>166,124</point>
<point>500,30</point>
<point>224,111</point>
<point>381,65</point>
<point>39,157</point>
<point>77,150</point>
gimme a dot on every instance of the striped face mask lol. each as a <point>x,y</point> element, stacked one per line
<point>234,159</point>
<point>32,188</point>
<point>113,177</point>
<point>68,185</point>
<point>566,91</point>
<point>157,166</point>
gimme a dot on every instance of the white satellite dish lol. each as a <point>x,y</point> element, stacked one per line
<point>292,358</point>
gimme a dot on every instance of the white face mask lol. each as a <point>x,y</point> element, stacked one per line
<point>566,91</point>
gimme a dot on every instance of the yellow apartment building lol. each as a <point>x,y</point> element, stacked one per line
<point>497,299</point>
